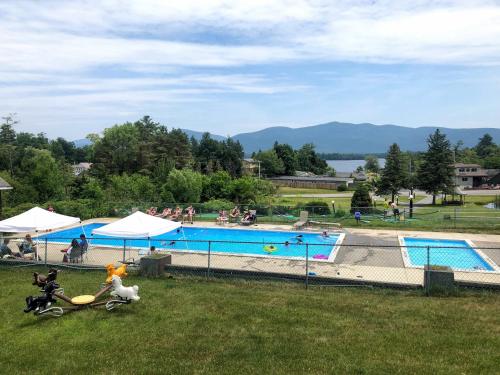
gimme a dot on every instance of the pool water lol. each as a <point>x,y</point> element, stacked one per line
<point>455,254</point>
<point>235,241</point>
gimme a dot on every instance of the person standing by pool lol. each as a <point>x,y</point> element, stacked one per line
<point>395,210</point>
<point>357,216</point>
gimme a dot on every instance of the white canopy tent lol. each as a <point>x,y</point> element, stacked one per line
<point>35,220</point>
<point>137,225</point>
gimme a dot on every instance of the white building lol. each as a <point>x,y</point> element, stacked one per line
<point>81,167</point>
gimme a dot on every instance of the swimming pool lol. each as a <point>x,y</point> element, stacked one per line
<point>223,240</point>
<point>456,254</point>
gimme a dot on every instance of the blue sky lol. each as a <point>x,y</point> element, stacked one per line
<point>73,68</point>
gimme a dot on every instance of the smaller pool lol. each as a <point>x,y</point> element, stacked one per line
<point>456,254</point>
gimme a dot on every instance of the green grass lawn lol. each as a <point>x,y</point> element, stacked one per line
<point>194,326</point>
<point>292,190</point>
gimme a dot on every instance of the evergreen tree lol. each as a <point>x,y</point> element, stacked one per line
<point>288,156</point>
<point>395,173</point>
<point>361,200</point>
<point>371,164</point>
<point>486,147</point>
<point>436,170</point>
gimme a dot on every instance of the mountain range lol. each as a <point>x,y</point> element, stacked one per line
<point>338,137</point>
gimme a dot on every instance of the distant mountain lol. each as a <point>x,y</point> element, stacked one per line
<point>357,138</point>
<point>197,135</point>
<point>82,142</point>
<point>339,137</point>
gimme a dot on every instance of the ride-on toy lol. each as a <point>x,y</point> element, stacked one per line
<point>51,292</point>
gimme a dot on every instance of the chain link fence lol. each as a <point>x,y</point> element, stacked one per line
<point>395,262</point>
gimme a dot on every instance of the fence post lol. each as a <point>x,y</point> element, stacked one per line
<point>428,273</point>
<point>307,265</point>
<point>45,251</point>
<point>124,247</point>
<point>208,264</point>
<point>455,217</point>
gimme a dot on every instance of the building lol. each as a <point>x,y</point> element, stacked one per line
<point>81,167</point>
<point>251,167</point>
<point>318,182</point>
<point>469,176</point>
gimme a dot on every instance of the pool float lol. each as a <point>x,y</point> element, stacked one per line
<point>320,256</point>
<point>270,249</point>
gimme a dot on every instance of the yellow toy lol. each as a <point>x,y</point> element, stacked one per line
<point>120,271</point>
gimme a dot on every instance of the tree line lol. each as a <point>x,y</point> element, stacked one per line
<point>431,171</point>
<point>282,159</point>
<point>139,161</point>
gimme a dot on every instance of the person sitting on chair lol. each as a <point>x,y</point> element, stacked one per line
<point>222,218</point>
<point>176,214</point>
<point>235,213</point>
<point>189,214</point>
<point>84,245</point>
<point>165,213</point>
<point>27,247</point>
<point>6,252</point>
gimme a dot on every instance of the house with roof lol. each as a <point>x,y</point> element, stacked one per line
<point>469,176</point>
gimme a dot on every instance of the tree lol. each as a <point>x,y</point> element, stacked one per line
<point>185,185</point>
<point>394,175</point>
<point>118,150</point>
<point>288,156</point>
<point>217,186</point>
<point>486,146</point>
<point>270,163</point>
<point>309,161</point>
<point>41,172</point>
<point>436,171</point>
<point>361,200</point>
<point>136,187</point>
<point>371,164</point>
<point>249,189</point>
<point>7,140</point>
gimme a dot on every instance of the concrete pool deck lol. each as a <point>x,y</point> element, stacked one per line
<point>365,255</point>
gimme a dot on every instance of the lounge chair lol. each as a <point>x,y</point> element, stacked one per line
<point>303,219</point>
<point>251,220</point>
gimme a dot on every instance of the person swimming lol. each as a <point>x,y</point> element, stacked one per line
<point>287,243</point>
<point>299,238</point>
<point>325,234</point>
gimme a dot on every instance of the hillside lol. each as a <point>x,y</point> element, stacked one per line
<point>341,137</point>
<point>357,138</point>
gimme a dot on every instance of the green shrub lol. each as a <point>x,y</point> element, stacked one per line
<point>217,205</point>
<point>342,187</point>
<point>315,207</point>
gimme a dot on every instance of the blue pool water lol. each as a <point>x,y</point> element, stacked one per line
<point>194,239</point>
<point>455,254</point>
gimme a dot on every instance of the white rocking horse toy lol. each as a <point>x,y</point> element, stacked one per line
<point>124,292</point>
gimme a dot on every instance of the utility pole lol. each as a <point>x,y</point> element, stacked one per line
<point>411,193</point>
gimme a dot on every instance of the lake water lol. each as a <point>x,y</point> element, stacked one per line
<point>350,165</point>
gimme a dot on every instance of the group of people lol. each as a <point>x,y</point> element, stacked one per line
<point>27,248</point>
<point>76,250</point>
<point>176,214</point>
<point>248,216</point>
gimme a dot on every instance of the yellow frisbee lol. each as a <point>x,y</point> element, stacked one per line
<point>82,300</point>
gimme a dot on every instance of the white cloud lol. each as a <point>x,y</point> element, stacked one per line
<point>119,54</point>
